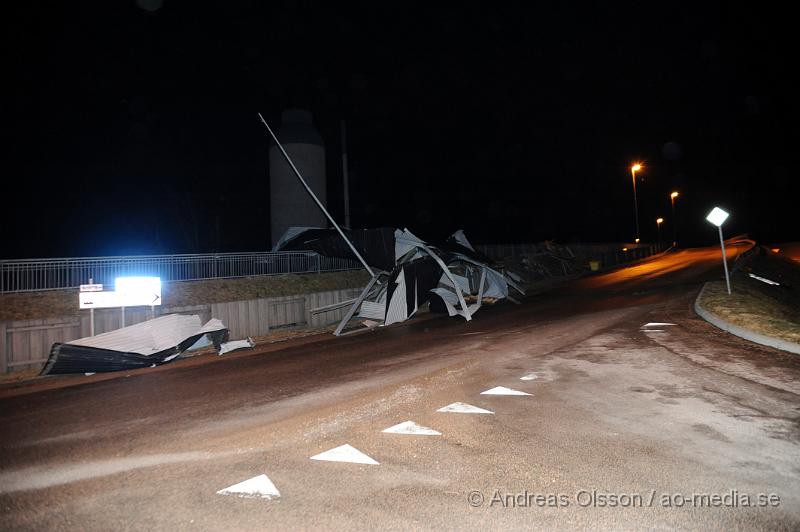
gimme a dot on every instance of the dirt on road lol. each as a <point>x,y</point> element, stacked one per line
<point>639,415</point>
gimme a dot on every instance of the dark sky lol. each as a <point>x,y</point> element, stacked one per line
<point>130,127</point>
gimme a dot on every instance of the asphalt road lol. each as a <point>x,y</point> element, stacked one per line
<point>627,425</point>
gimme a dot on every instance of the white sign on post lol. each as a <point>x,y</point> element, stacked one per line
<point>99,300</point>
<point>91,288</point>
<point>138,291</point>
<point>130,292</point>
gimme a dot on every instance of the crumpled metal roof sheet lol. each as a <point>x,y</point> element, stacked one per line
<point>141,345</point>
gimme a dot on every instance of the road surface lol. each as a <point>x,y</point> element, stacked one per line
<point>627,425</point>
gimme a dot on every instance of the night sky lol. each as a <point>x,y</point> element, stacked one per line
<point>130,127</point>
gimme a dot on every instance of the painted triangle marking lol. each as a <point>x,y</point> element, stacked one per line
<point>345,453</point>
<point>502,390</point>
<point>529,377</point>
<point>260,487</point>
<point>409,427</point>
<point>463,408</point>
<point>657,324</point>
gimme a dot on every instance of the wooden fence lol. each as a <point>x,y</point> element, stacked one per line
<point>25,344</point>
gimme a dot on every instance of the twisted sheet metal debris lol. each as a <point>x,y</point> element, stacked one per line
<point>452,276</point>
<point>150,343</point>
<point>406,272</point>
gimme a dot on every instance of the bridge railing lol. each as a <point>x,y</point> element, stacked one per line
<point>30,275</point>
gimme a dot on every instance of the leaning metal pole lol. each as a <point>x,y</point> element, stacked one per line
<point>319,204</point>
<point>724,259</point>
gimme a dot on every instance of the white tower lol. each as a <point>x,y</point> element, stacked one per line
<point>290,204</point>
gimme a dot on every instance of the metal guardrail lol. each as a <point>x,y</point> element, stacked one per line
<point>31,275</point>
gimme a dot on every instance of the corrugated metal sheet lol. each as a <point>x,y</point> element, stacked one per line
<point>151,336</point>
<point>463,282</point>
<point>373,311</point>
<point>145,344</point>
<point>398,307</point>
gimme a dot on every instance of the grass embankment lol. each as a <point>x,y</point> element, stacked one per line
<point>56,303</point>
<point>756,306</point>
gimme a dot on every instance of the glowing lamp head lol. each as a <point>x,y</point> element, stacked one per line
<point>637,241</point>
<point>717,216</point>
<point>636,167</point>
<point>673,195</point>
<point>659,221</point>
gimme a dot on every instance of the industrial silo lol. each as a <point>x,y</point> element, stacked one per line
<point>290,204</point>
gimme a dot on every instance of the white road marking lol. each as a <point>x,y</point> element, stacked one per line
<point>529,377</point>
<point>463,408</point>
<point>502,390</point>
<point>764,279</point>
<point>345,453</point>
<point>657,324</point>
<point>260,487</point>
<point>653,330</point>
<point>409,427</point>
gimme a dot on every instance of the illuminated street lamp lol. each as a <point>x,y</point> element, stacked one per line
<point>674,220</point>
<point>659,221</point>
<point>717,217</point>
<point>635,168</point>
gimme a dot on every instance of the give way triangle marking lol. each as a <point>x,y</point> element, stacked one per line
<point>463,408</point>
<point>260,487</point>
<point>345,453</point>
<point>502,390</point>
<point>409,427</point>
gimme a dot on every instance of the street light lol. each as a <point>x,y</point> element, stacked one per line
<point>659,221</point>
<point>717,217</point>
<point>635,168</point>
<point>674,220</point>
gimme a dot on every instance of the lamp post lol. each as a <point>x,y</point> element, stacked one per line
<point>659,221</point>
<point>635,168</point>
<point>674,219</point>
<point>717,217</point>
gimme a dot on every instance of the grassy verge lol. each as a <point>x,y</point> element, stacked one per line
<point>756,306</point>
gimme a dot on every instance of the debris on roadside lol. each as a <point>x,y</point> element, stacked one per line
<point>452,276</point>
<point>406,272</point>
<point>233,345</point>
<point>153,342</point>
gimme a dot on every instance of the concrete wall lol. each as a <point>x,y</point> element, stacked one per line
<point>25,344</point>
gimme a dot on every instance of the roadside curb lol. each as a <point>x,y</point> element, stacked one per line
<point>741,332</point>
